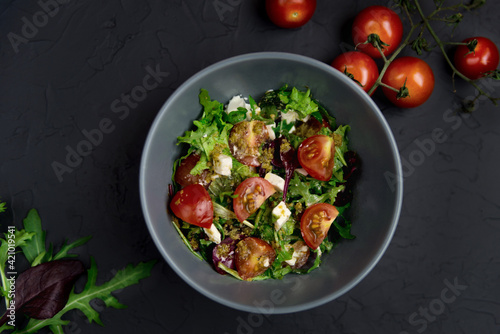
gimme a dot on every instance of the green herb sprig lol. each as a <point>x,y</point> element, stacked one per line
<point>30,242</point>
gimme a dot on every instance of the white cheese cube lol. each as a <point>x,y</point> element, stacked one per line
<point>282,213</point>
<point>213,234</point>
<point>290,116</point>
<point>277,181</point>
<point>223,164</point>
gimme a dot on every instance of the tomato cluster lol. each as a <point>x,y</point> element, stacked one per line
<point>377,32</point>
<point>411,79</point>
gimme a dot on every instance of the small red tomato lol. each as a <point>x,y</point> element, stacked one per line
<point>358,66</point>
<point>378,20</point>
<point>183,172</point>
<point>316,155</point>
<point>315,223</point>
<point>290,13</point>
<point>483,59</point>
<point>413,72</point>
<point>193,205</point>
<point>251,193</point>
<point>253,257</point>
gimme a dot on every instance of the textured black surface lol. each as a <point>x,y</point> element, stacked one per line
<point>75,73</point>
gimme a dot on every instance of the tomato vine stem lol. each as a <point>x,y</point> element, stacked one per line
<point>387,62</point>
<point>424,24</point>
<point>440,44</point>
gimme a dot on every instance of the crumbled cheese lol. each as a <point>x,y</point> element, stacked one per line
<point>223,164</point>
<point>297,253</point>
<point>272,135</point>
<point>277,181</point>
<point>282,213</point>
<point>213,234</point>
<point>290,116</point>
<point>292,129</point>
<point>236,102</point>
<point>302,171</point>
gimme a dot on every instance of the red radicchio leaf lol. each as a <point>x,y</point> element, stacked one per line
<point>42,291</point>
<point>286,159</point>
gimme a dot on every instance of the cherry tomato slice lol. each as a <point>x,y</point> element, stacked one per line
<point>474,65</point>
<point>251,193</point>
<point>290,13</point>
<point>316,155</point>
<point>378,20</point>
<point>413,72</point>
<point>316,222</point>
<point>193,205</point>
<point>245,139</point>
<point>253,257</point>
<point>183,175</point>
<point>362,67</point>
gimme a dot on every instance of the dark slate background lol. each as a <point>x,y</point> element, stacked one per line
<point>88,56</point>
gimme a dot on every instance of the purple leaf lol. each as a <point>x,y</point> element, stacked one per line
<point>224,252</point>
<point>285,159</point>
<point>42,291</point>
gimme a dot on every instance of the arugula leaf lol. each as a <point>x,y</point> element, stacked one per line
<point>317,261</point>
<point>81,301</point>
<point>32,241</point>
<point>63,252</point>
<point>35,246</point>
<point>212,109</point>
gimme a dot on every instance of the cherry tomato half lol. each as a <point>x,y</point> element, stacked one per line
<point>378,20</point>
<point>316,155</point>
<point>193,205</point>
<point>316,222</point>
<point>253,257</point>
<point>361,66</point>
<point>290,13</point>
<point>183,172</point>
<point>245,139</point>
<point>419,81</point>
<point>251,193</point>
<point>474,65</point>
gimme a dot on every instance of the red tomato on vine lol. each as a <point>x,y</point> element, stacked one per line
<point>474,64</point>
<point>381,21</point>
<point>358,66</point>
<point>415,74</point>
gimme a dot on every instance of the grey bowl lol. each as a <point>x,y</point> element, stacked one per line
<point>374,212</point>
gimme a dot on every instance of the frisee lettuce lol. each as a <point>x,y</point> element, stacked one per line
<point>299,101</point>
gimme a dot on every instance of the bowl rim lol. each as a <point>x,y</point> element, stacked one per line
<point>393,147</point>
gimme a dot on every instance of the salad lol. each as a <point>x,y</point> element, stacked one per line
<point>262,189</point>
